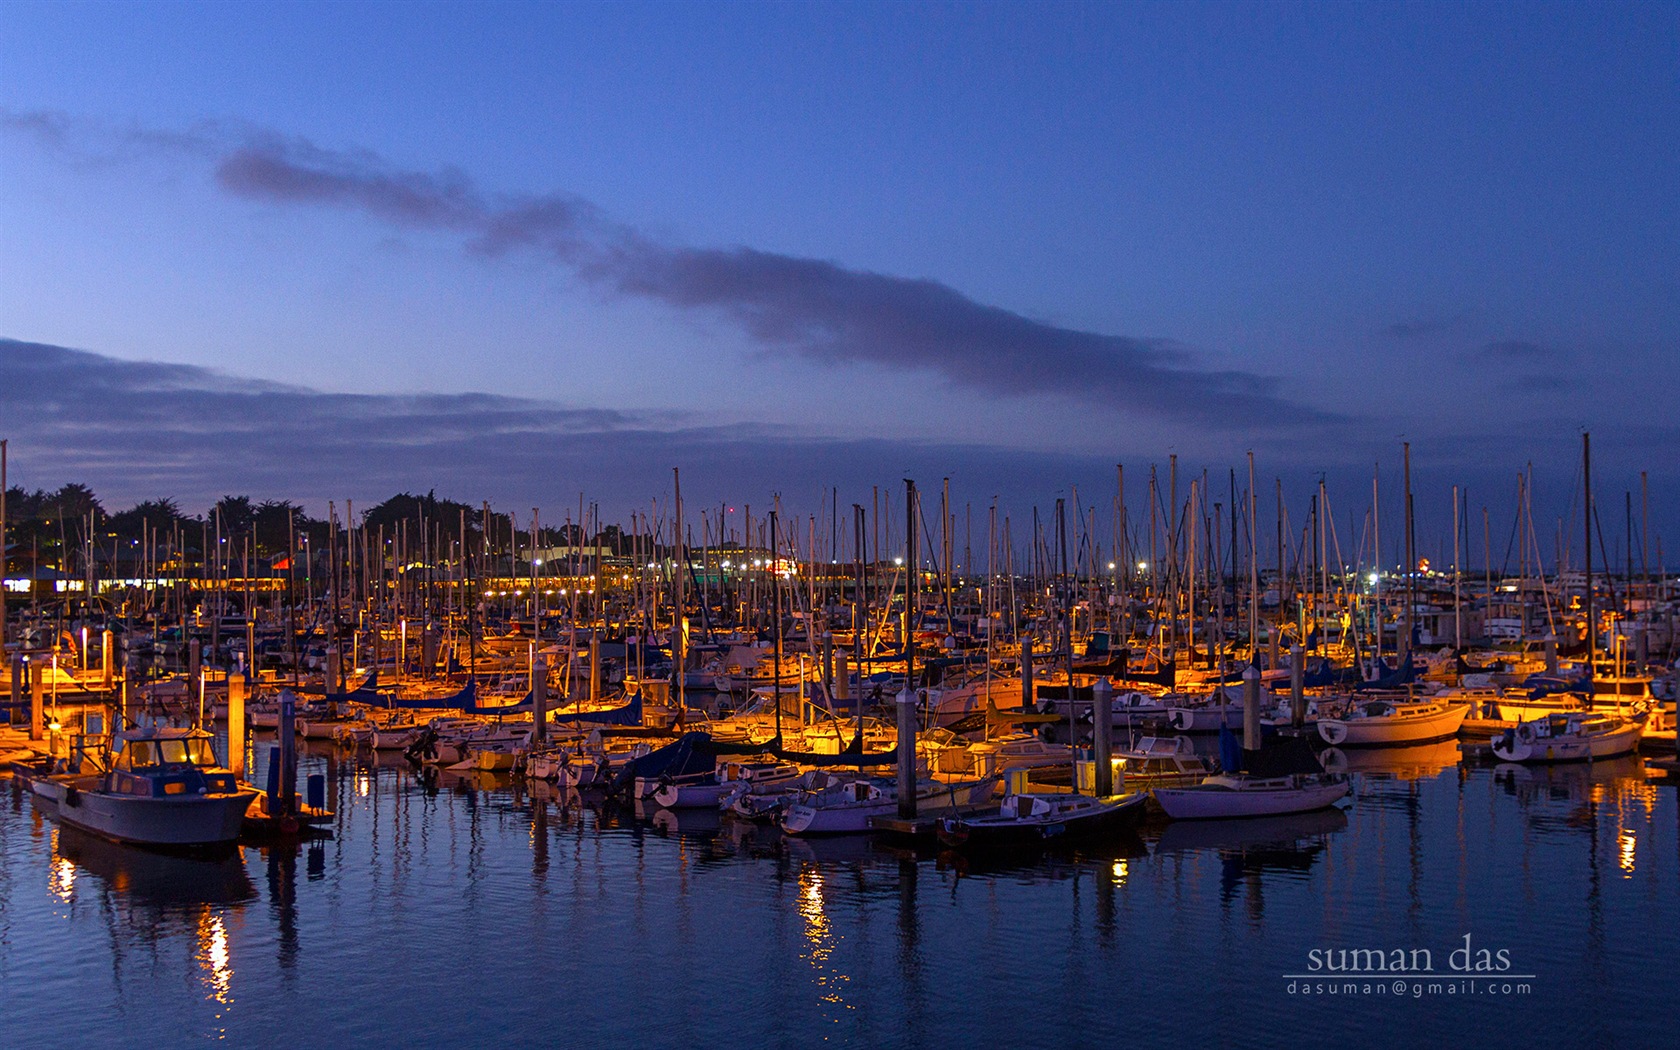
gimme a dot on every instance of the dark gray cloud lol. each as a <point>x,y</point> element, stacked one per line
<point>816,309</point>
<point>139,430</point>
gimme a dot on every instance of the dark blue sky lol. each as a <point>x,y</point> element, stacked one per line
<point>896,236</point>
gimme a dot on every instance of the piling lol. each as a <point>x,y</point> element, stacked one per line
<point>430,642</point>
<point>1551,655</point>
<point>195,670</point>
<point>107,658</point>
<point>1026,675</point>
<point>335,671</point>
<point>1102,732</point>
<point>907,753</point>
<point>828,665</point>
<point>1297,686</point>
<point>36,688</point>
<point>539,699</point>
<point>236,723</point>
<point>1251,707</point>
<point>594,666</point>
<point>16,711</point>
<point>286,801</point>
<point>842,683</point>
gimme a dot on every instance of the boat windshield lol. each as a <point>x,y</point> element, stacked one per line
<point>191,751</point>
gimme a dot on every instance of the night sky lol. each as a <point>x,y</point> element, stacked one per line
<point>519,252</point>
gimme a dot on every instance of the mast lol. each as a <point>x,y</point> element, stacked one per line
<point>1586,483</point>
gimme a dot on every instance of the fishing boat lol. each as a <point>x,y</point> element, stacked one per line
<point>1575,736</point>
<point>1029,819</point>
<point>1393,723</point>
<point>165,788</point>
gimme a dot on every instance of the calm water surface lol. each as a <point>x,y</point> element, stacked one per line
<point>463,910</point>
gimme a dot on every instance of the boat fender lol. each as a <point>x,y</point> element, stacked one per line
<point>72,797</point>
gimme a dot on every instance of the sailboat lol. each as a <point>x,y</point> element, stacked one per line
<point>1283,777</point>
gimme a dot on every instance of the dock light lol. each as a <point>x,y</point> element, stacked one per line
<point>54,726</point>
<point>1371,579</point>
<point>1110,566</point>
<point>1143,566</point>
<point>898,561</point>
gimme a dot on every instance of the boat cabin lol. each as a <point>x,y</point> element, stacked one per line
<point>160,762</point>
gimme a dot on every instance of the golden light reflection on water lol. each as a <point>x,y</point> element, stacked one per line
<point>1120,872</point>
<point>1627,844</point>
<point>819,934</point>
<point>61,876</point>
<point>215,960</point>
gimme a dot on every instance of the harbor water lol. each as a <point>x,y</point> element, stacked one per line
<point>1533,906</point>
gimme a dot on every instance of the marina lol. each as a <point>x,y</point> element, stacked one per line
<point>637,765</point>
<point>757,526</point>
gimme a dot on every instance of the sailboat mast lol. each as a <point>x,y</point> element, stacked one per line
<point>1587,515</point>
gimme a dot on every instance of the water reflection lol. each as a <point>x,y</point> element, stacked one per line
<point>1414,762</point>
<point>156,883</point>
<point>847,937</point>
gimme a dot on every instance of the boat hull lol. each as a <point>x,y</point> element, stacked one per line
<point>197,820</point>
<point>1622,741</point>
<point>999,832</point>
<point>1208,802</point>
<point>1394,732</point>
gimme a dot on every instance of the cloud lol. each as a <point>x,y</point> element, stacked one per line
<point>817,310</point>
<point>139,430</point>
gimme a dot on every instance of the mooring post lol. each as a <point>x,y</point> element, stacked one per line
<point>907,753</point>
<point>1102,732</point>
<point>236,723</point>
<point>539,699</point>
<point>288,753</point>
<point>107,658</point>
<point>842,683</point>
<point>1026,674</point>
<point>1297,686</point>
<point>15,714</point>
<point>195,670</point>
<point>1251,707</point>
<point>35,691</point>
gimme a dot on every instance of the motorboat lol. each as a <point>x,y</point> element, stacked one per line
<point>1393,723</point>
<point>1034,818</point>
<point>847,807</point>
<point>707,790</point>
<point>1574,736</point>
<point>165,787</point>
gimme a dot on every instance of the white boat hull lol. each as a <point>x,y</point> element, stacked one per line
<point>1622,741</point>
<point>1394,731</point>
